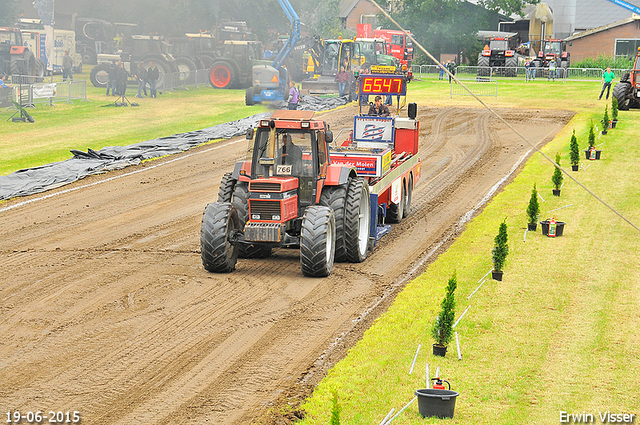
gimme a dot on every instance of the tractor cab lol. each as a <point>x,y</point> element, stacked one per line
<point>292,147</point>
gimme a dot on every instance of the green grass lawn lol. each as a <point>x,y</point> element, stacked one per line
<point>559,334</point>
<point>94,125</point>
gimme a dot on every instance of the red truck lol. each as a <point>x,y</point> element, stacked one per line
<point>398,45</point>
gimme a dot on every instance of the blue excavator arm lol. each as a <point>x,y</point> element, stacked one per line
<point>626,5</point>
<point>294,19</point>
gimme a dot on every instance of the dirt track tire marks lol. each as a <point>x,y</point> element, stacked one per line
<point>108,310</point>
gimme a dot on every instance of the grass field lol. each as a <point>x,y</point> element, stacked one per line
<point>558,334</point>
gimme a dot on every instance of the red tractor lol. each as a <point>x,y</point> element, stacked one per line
<point>293,191</point>
<point>627,91</point>
<point>553,49</point>
<point>15,58</point>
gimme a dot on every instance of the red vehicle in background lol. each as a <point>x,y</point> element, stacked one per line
<point>398,45</point>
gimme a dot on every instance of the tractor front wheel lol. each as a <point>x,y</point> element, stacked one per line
<point>220,223</point>
<point>317,241</point>
<point>225,192</point>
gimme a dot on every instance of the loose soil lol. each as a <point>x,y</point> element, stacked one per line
<point>106,309</point>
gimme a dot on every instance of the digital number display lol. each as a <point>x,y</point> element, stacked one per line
<point>376,84</point>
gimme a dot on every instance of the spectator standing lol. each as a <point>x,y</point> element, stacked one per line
<point>451,67</point>
<point>527,70</point>
<point>2,83</point>
<point>552,70</point>
<point>141,76</point>
<point>67,66</point>
<point>152,77</point>
<point>112,71</point>
<point>121,80</point>
<point>441,76</point>
<point>294,95</point>
<point>532,69</point>
<point>607,78</point>
<point>342,78</point>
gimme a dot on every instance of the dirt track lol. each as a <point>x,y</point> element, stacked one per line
<point>105,308</point>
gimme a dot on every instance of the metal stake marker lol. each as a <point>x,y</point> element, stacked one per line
<point>561,207</point>
<point>524,238</point>
<point>585,168</point>
<point>541,197</point>
<point>386,418</point>
<point>428,381</point>
<point>401,410</point>
<point>477,289</point>
<point>462,315</point>
<point>414,359</point>
<point>458,344</point>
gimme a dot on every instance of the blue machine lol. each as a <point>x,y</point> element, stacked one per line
<point>270,82</point>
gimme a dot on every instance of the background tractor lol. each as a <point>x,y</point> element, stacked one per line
<point>15,58</point>
<point>137,49</point>
<point>553,49</point>
<point>627,90</point>
<point>499,53</point>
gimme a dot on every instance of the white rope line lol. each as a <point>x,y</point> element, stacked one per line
<point>384,12</point>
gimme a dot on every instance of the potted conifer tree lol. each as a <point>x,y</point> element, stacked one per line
<point>533,209</point>
<point>614,111</point>
<point>591,152</point>
<point>575,150</point>
<point>500,251</point>
<point>557,177</point>
<point>442,330</point>
<point>605,120</point>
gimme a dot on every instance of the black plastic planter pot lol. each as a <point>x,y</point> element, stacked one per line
<point>556,192</point>
<point>496,275</point>
<point>574,168</point>
<point>532,226</point>
<point>587,154</point>
<point>439,350</point>
<point>438,403</point>
<point>613,123</point>
<point>559,227</point>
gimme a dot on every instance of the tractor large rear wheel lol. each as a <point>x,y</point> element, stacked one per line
<point>511,67</point>
<point>357,221</point>
<point>186,69</point>
<point>222,75</point>
<point>335,197</point>
<point>225,192</point>
<point>220,223</point>
<point>483,67</point>
<point>24,64</point>
<point>99,75</point>
<point>317,241</point>
<point>622,92</point>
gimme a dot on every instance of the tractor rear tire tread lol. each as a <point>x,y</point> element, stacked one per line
<point>225,192</point>
<point>335,197</point>
<point>357,195</point>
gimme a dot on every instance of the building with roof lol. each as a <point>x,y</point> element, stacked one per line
<point>620,38</point>
<point>354,12</point>
<point>573,16</point>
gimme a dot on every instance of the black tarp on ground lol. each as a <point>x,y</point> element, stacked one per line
<point>82,164</point>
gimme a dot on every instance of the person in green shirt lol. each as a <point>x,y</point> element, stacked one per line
<point>607,78</point>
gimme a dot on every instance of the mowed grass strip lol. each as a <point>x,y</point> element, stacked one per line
<point>559,334</point>
<point>94,125</point>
